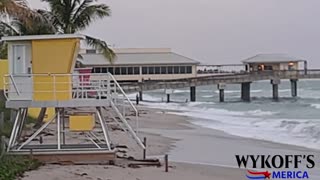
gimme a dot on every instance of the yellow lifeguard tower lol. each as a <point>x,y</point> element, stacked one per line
<point>41,75</point>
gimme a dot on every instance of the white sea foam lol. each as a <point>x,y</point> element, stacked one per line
<point>284,90</point>
<point>238,91</point>
<point>146,97</point>
<point>252,124</point>
<point>260,112</point>
<point>317,106</point>
<point>208,96</point>
<point>228,91</point>
<point>256,91</point>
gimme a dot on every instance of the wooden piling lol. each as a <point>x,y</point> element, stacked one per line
<point>140,96</point>
<point>192,93</point>
<point>221,87</point>
<point>275,89</point>
<point>145,149</point>
<point>294,87</point>
<point>166,163</point>
<point>221,95</point>
<point>245,91</point>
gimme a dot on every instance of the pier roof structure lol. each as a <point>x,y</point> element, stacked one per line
<point>271,58</point>
<point>137,56</point>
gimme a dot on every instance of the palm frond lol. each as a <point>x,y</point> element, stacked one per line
<point>7,29</point>
<point>50,20</point>
<point>87,13</point>
<point>102,47</point>
<point>17,8</point>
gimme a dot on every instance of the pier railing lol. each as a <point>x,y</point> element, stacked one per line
<point>229,78</point>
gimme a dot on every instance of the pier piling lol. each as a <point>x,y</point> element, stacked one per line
<point>275,88</point>
<point>245,91</point>
<point>140,96</point>
<point>221,87</point>
<point>168,98</point>
<point>192,93</point>
<point>294,87</point>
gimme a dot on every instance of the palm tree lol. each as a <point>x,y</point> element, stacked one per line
<point>15,8</point>
<point>63,17</point>
<point>18,9</point>
<point>71,16</point>
<point>16,18</point>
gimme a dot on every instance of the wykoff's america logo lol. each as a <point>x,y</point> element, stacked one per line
<point>283,166</point>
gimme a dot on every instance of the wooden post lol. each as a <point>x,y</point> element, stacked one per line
<point>40,140</point>
<point>168,98</point>
<point>166,163</point>
<point>137,99</point>
<point>145,149</point>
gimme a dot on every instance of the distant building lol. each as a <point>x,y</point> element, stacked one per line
<point>268,62</point>
<point>138,64</point>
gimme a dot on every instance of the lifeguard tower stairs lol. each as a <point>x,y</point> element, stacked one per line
<point>74,110</point>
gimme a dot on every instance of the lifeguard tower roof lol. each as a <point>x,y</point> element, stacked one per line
<point>39,37</point>
<point>271,58</point>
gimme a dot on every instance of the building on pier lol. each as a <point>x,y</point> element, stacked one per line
<point>139,64</point>
<point>273,62</point>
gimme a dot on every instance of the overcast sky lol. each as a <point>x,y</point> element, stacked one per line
<point>214,31</point>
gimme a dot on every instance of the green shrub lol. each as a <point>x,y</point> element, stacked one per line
<point>12,166</point>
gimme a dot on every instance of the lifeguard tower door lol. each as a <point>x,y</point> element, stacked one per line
<point>21,72</point>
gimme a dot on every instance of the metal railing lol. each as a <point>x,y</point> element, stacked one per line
<point>57,87</point>
<point>125,98</point>
<point>62,87</point>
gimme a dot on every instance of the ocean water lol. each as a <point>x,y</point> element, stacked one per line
<point>293,121</point>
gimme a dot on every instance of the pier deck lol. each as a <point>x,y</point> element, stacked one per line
<point>234,78</point>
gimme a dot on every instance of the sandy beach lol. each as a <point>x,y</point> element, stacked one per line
<point>194,153</point>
